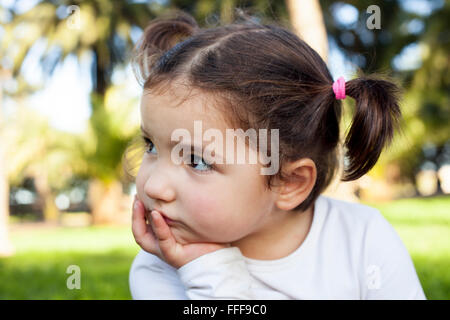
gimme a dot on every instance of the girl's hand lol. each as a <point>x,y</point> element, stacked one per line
<point>156,238</point>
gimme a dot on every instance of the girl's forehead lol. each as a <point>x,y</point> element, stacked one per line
<point>183,106</point>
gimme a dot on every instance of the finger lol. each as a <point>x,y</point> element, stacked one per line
<point>166,241</point>
<point>141,233</point>
<point>148,219</point>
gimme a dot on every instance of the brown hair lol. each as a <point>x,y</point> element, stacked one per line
<point>266,77</point>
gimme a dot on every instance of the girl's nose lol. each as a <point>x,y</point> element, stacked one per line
<point>158,185</point>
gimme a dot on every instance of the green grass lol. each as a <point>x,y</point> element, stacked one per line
<point>104,255</point>
<point>38,269</point>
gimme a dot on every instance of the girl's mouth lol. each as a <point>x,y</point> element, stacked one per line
<point>166,219</point>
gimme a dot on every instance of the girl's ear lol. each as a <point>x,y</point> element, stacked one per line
<point>300,180</point>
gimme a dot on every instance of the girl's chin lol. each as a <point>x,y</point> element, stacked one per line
<point>186,239</point>
<point>180,237</point>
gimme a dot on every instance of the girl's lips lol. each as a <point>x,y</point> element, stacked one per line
<point>166,219</point>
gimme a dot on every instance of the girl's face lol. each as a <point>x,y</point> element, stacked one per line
<point>220,204</point>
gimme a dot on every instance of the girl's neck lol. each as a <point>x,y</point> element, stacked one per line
<point>279,237</point>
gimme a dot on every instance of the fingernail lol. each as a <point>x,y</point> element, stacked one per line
<point>136,205</point>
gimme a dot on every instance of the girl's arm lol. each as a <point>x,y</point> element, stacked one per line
<point>389,271</point>
<point>221,274</point>
<point>152,279</point>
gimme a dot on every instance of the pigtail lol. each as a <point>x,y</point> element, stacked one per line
<point>161,35</point>
<point>377,116</point>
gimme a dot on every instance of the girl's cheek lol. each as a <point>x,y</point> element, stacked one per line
<point>213,218</point>
<point>206,210</point>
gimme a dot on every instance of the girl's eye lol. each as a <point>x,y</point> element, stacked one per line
<point>197,163</point>
<point>200,163</point>
<point>149,145</point>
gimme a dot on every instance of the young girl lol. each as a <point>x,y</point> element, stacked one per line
<point>221,230</point>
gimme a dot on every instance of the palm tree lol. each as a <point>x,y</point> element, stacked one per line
<point>35,149</point>
<point>104,31</point>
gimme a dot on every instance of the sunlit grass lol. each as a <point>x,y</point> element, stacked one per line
<point>417,211</point>
<point>38,269</point>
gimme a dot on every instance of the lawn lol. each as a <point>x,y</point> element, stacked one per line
<point>104,255</point>
<point>38,269</point>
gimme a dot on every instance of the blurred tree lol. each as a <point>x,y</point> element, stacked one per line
<point>35,149</point>
<point>103,29</point>
<point>6,247</point>
<point>413,30</point>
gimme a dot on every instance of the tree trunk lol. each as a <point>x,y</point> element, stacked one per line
<point>101,82</point>
<point>226,11</point>
<point>106,202</point>
<point>307,20</point>
<point>50,210</point>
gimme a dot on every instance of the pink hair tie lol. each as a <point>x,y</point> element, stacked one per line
<point>339,88</point>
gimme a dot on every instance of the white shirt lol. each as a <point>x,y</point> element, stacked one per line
<point>350,252</point>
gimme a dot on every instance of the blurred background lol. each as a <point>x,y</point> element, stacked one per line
<point>69,105</point>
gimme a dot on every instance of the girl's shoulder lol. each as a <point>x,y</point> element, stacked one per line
<point>359,234</point>
<point>355,222</point>
<point>358,224</point>
<point>345,210</point>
